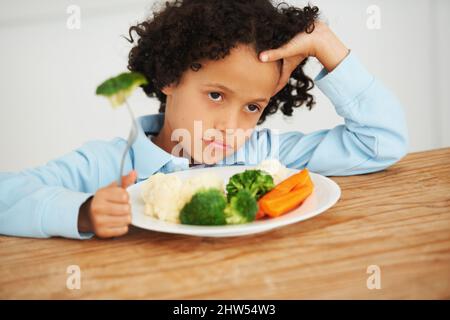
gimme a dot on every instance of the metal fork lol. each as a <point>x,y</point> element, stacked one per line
<point>131,139</point>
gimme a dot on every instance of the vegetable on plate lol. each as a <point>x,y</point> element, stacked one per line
<point>286,196</point>
<point>257,182</point>
<point>202,200</point>
<point>205,208</point>
<point>241,208</point>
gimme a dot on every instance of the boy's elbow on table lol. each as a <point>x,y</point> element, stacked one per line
<point>392,140</point>
<point>392,144</point>
<point>391,149</point>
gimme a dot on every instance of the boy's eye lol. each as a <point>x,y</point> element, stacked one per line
<point>217,96</point>
<point>252,108</point>
<point>214,96</point>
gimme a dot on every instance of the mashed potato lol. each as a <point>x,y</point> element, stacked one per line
<point>275,169</point>
<point>166,194</point>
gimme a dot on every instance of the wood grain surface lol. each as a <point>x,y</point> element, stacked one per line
<point>397,219</point>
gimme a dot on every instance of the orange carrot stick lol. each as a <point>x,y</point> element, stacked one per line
<point>308,182</point>
<point>289,183</point>
<point>282,203</point>
<point>274,204</point>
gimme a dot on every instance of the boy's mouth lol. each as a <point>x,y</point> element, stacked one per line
<point>217,144</point>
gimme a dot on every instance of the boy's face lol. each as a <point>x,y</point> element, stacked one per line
<point>222,101</point>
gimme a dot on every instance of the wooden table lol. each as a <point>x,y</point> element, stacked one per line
<point>397,219</point>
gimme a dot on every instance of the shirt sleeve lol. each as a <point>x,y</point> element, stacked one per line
<point>44,201</point>
<point>373,136</point>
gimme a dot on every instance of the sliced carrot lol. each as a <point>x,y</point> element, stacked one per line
<point>282,203</point>
<point>286,195</point>
<point>290,183</point>
<point>285,186</point>
<point>308,182</point>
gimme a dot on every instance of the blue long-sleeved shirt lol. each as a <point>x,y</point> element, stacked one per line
<point>44,201</point>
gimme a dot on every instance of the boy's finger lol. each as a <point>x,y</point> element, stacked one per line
<point>113,232</point>
<point>118,221</point>
<point>117,195</point>
<point>119,231</point>
<point>116,209</point>
<point>129,179</point>
<point>284,51</point>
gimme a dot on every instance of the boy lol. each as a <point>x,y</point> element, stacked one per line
<point>218,79</point>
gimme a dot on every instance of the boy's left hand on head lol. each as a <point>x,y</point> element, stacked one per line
<point>302,46</point>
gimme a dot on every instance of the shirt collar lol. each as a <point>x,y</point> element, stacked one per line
<point>148,157</point>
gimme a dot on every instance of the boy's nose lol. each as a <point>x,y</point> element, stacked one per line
<point>227,121</point>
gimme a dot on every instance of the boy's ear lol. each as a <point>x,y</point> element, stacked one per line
<point>167,90</point>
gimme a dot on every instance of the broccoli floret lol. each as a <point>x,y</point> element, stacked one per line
<point>257,182</point>
<point>205,208</point>
<point>241,208</point>
<point>119,88</point>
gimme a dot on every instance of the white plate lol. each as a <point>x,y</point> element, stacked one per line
<point>325,194</point>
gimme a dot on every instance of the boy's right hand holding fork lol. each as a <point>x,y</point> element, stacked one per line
<point>108,212</point>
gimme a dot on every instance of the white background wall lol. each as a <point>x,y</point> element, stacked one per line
<point>49,73</point>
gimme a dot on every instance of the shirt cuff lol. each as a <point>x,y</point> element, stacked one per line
<point>345,82</point>
<point>61,214</point>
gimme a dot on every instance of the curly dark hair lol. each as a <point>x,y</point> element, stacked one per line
<point>187,31</point>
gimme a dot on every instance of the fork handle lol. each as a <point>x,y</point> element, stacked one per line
<point>122,162</point>
<point>129,142</point>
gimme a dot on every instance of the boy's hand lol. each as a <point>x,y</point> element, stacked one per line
<point>108,212</point>
<point>322,43</point>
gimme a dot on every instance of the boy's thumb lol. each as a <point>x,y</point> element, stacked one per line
<point>129,179</point>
